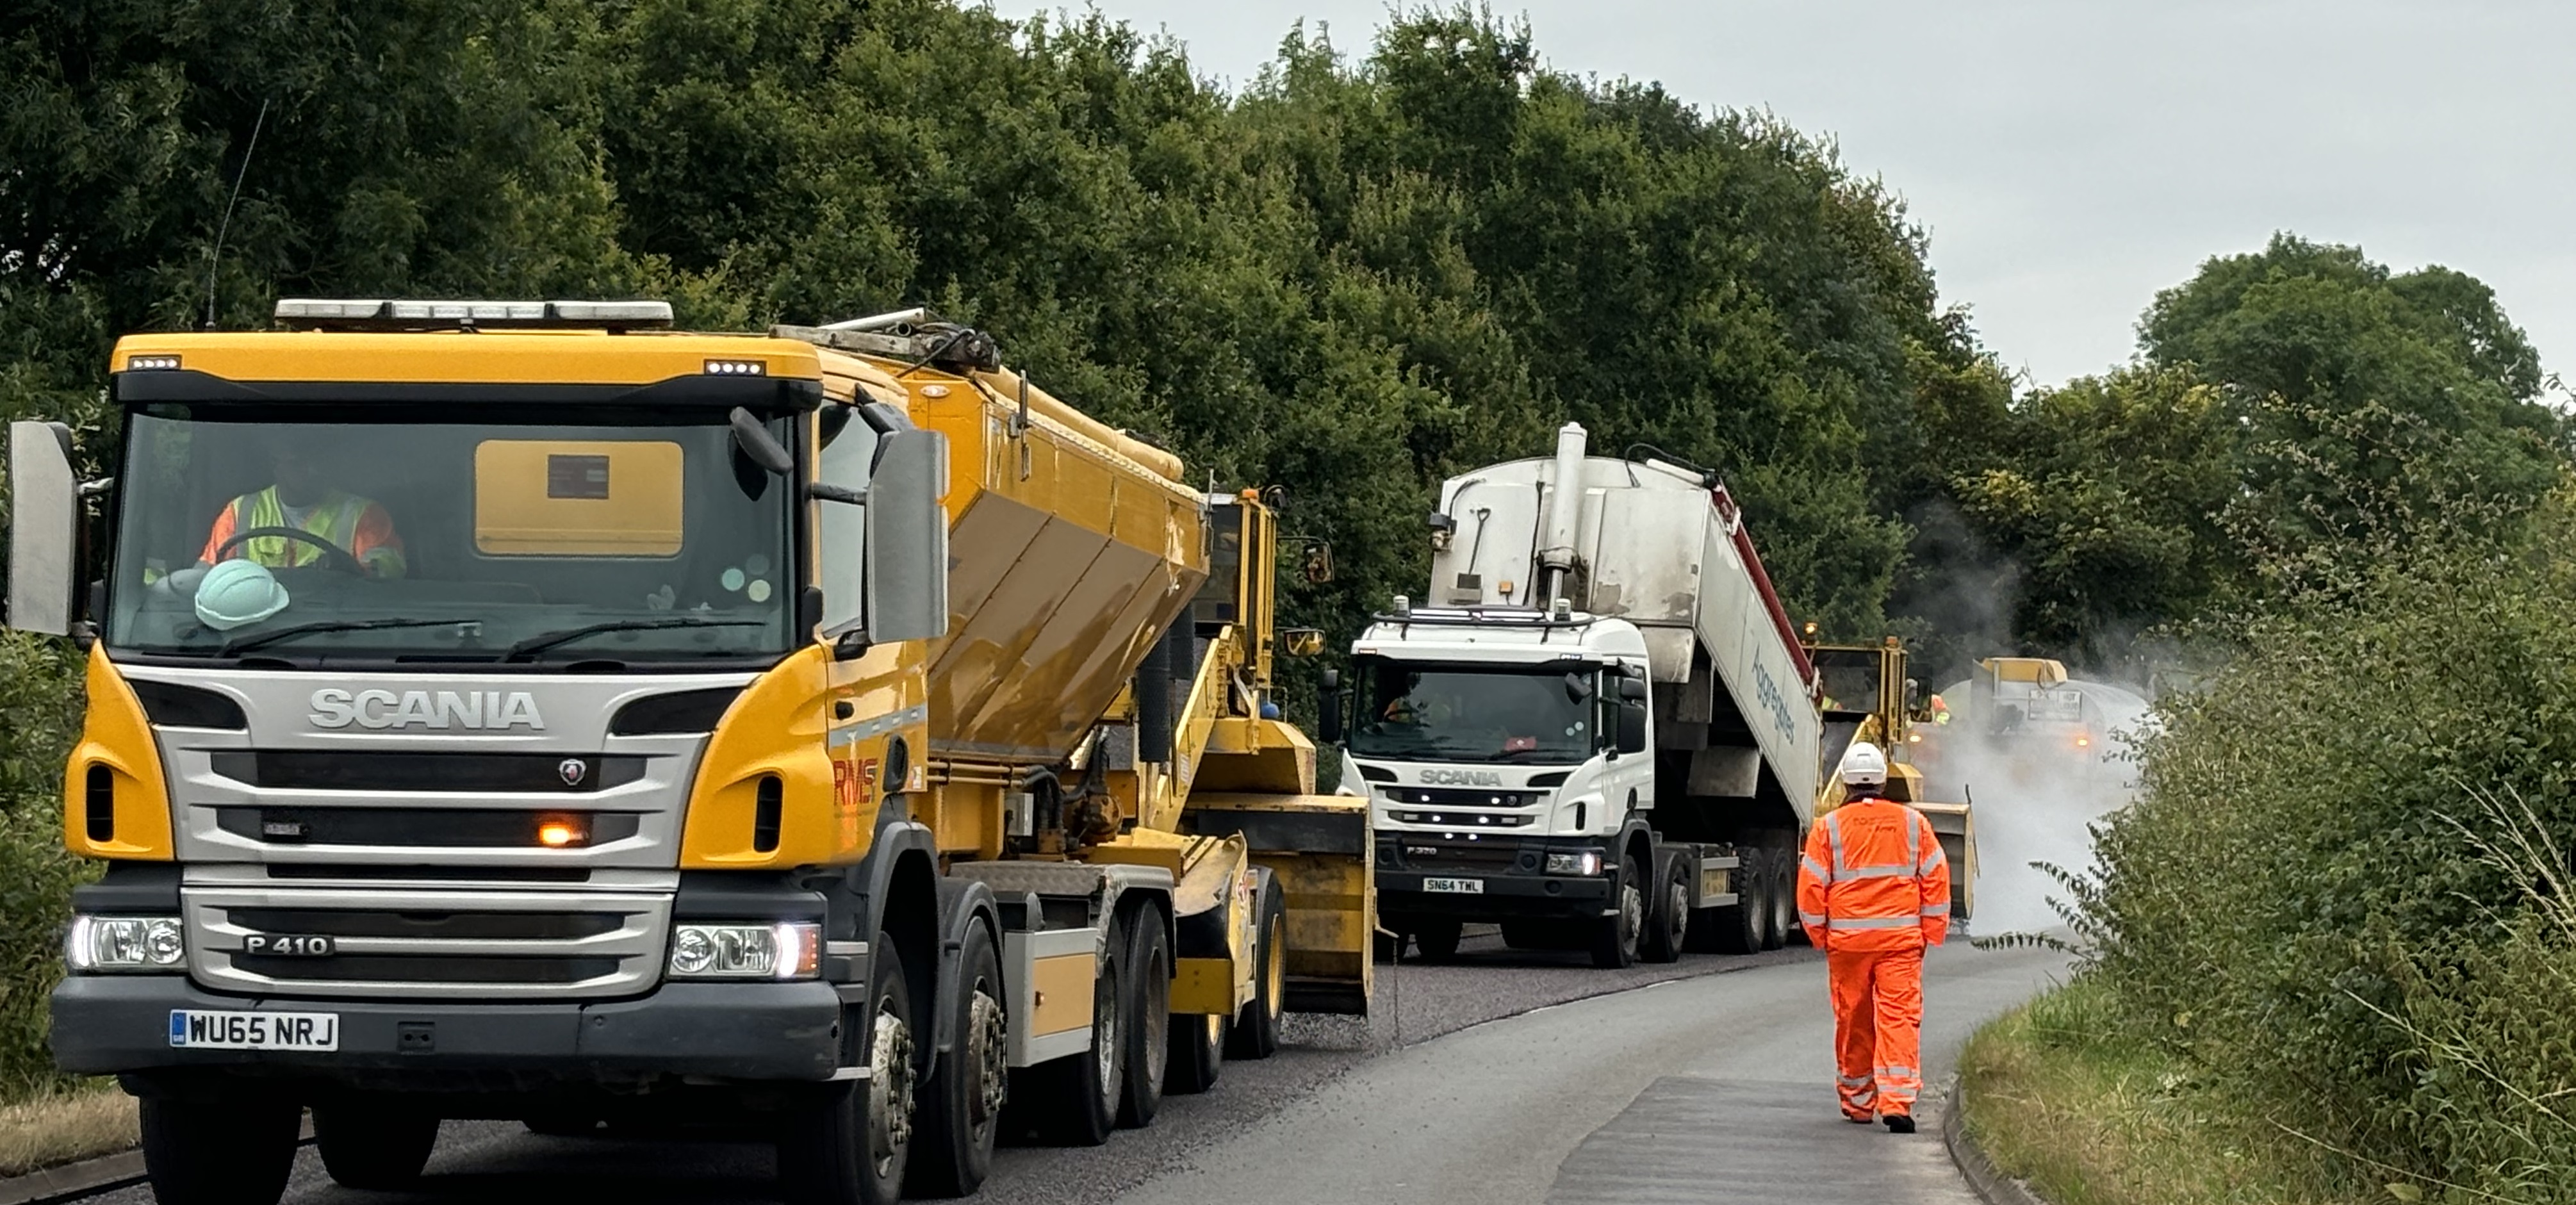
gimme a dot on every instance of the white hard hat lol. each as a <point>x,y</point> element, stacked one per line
<point>238,592</point>
<point>1864,766</point>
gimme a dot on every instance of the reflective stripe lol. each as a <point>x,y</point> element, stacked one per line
<point>1811,920</point>
<point>1834,837</point>
<point>1855,1081</point>
<point>1876,922</point>
<point>1816,868</point>
<point>1897,1073</point>
<point>1926,860</point>
<point>1880,872</point>
<point>1939,909</point>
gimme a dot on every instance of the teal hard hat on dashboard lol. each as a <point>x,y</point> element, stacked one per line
<point>238,592</point>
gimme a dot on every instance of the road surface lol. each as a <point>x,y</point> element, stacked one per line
<point>1512,1077</point>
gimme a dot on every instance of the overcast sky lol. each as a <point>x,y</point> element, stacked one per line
<point>2071,158</point>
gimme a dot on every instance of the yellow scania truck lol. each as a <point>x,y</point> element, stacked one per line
<point>521,710</point>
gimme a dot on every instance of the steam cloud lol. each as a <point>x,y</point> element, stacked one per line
<point>2035,797</point>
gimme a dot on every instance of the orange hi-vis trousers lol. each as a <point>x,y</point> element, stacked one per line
<point>1878,1029</point>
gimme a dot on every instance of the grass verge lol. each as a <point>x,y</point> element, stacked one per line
<point>2059,1096</point>
<point>64,1127</point>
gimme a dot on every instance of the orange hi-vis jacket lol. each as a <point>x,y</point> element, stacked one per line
<point>358,526</point>
<point>1874,878</point>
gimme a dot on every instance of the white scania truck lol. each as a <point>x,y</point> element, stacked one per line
<point>1598,729</point>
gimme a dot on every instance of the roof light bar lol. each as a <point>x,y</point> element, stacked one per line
<point>426,314</point>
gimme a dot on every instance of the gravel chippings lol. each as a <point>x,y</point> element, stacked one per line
<point>481,1163</point>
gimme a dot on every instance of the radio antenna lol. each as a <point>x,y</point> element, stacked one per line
<point>215,258</point>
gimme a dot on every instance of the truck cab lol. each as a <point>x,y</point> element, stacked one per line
<point>1504,754</point>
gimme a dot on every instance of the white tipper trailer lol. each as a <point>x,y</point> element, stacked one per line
<point>1597,729</point>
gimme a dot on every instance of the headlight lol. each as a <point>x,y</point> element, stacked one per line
<point>125,943</point>
<point>1587,862</point>
<point>790,949</point>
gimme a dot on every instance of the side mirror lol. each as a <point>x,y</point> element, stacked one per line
<point>906,539</point>
<point>1632,727</point>
<point>1632,690</point>
<point>1328,708</point>
<point>759,445</point>
<point>1318,566</point>
<point>44,525</point>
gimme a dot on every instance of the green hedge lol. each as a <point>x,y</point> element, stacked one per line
<point>2340,888</point>
<point>40,694</point>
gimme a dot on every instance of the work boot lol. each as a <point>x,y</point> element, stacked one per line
<point>1899,1123</point>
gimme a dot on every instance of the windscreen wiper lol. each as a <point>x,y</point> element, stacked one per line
<point>263,639</point>
<point>546,640</point>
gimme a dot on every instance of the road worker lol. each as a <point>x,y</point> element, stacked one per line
<point>1873,892</point>
<point>303,500</point>
<point>1940,710</point>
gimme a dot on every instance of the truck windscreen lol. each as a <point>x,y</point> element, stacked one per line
<point>1413,712</point>
<point>477,533</point>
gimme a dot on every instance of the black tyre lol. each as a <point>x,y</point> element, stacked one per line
<point>1073,1101</point>
<point>1669,914</point>
<point>961,1106</point>
<point>1783,926</point>
<point>229,1152</point>
<point>850,1143</point>
<point>373,1144</point>
<point>1256,1030</point>
<point>563,1125</point>
<point>1738,926</point>
<point>1614,937</point>
<point>1437,939</point>
<point>1198,1053</point>
<point>1149,1017</point>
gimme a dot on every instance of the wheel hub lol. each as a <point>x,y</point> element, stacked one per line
<point>986,1038</point>
<point>889,1087</point>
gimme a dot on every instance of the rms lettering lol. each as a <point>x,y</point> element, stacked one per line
<point>475,709</point>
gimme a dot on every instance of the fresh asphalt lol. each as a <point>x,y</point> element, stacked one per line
<point>1510,1077</point>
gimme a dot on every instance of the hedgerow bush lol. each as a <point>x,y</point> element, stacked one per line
<point>40,697</point>
<point>2339,888</point>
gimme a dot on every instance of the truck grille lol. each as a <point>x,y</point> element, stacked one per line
<point>431,942</point>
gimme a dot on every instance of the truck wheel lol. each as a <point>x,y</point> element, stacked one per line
<point>228,1152</point>
<point>1149,1017</point>
<point>1737,928</point>
<point>1668,922</point>
<point>373,1144</point>
<point>849,1142</point>
<point>962,1105</point>
<point>1437,939</point>
<point>1198,1053</point>
<point>1256,1032</point>
<point>1614,937</point>
<point>1073,1101</point>
<point>1784,899</point>
<point>1765,885</point>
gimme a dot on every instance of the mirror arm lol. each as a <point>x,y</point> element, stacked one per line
<point>826,492</point>
<point>851,645</point>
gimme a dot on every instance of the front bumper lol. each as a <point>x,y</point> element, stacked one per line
<point>120,1024</point>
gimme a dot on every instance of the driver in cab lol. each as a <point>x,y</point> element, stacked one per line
<point>304,500</point>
